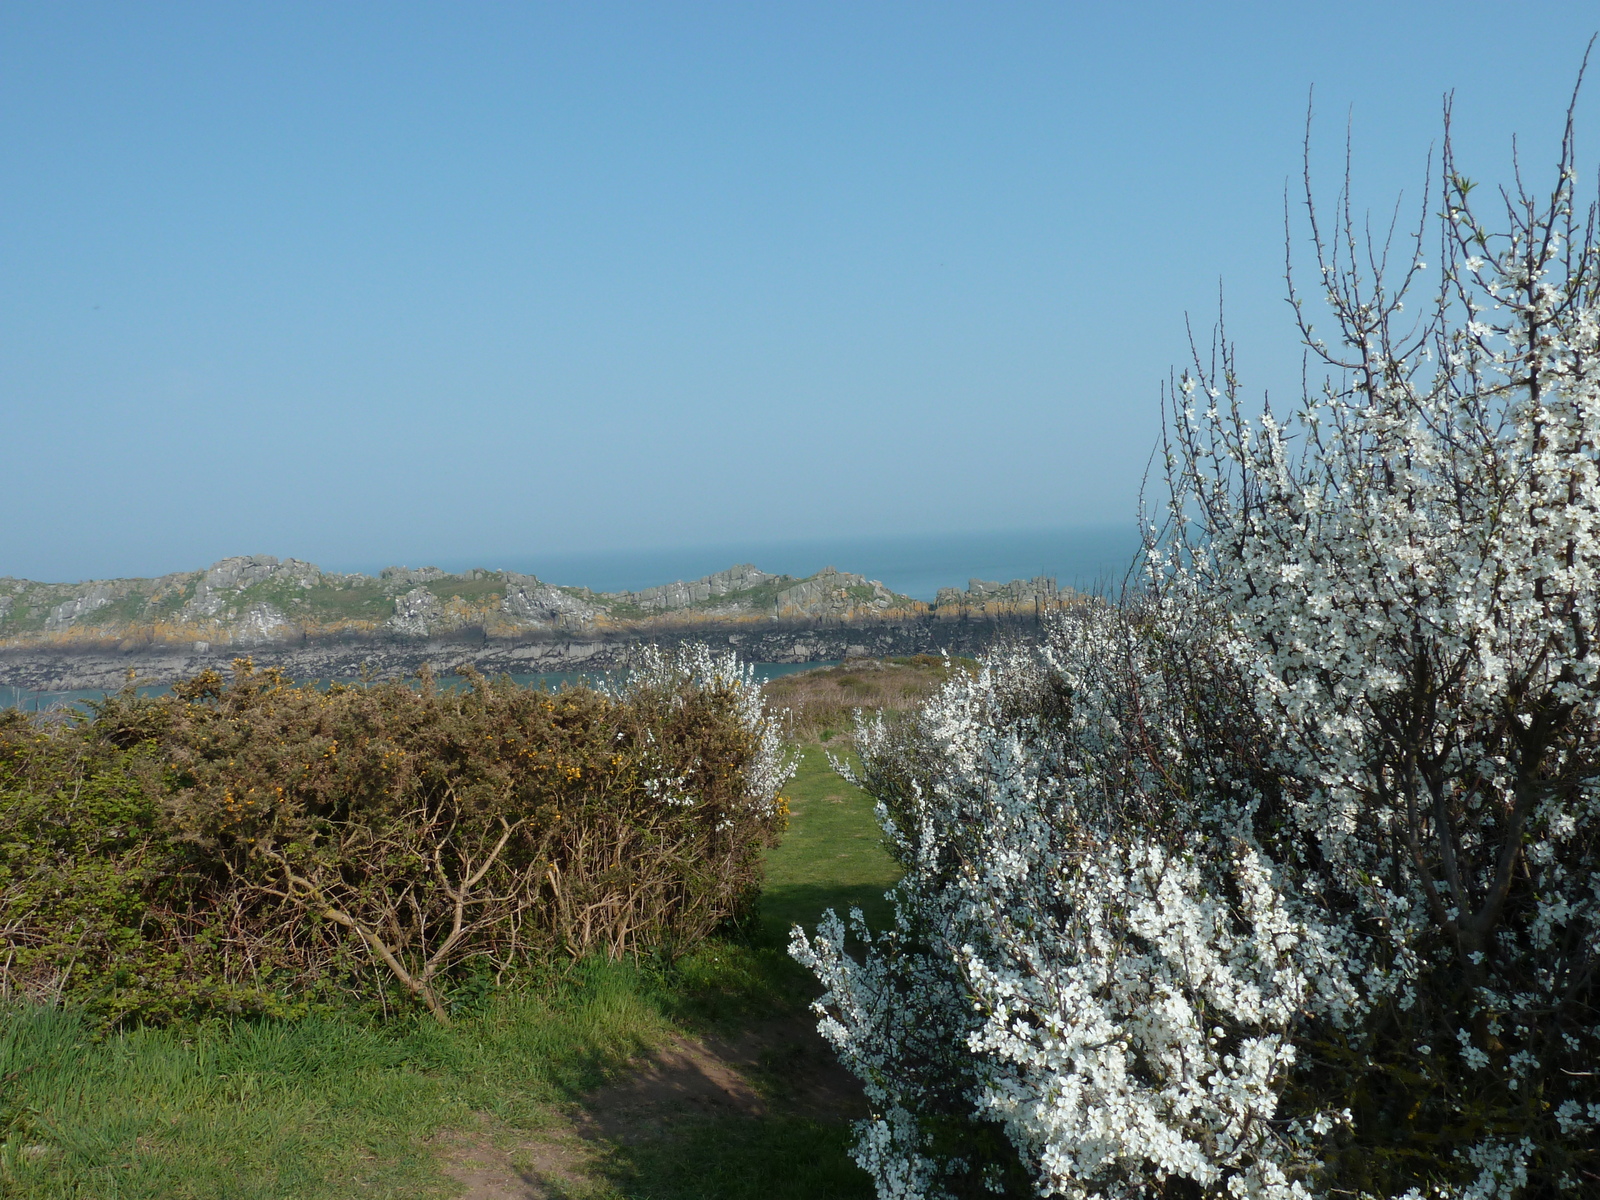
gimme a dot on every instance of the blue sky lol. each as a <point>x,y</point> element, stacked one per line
<point>485,282</point>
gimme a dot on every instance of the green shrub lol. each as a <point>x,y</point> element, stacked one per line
<point>254,845</point>
<point>89,871</point>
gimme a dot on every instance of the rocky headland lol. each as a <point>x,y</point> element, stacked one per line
<point>322,624</point>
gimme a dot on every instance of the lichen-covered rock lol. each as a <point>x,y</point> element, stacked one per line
<point>986,591</point>
<point>260,623</point>
<point>400,578</point>
<point>223,581</point>
<point>416,613</point>
<point>68,611</point>
<point>741,578</point>
<point>839,594</point>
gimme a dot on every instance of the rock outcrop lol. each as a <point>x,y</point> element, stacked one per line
<point>734,584</point>
<point>293,612</point>
<point>538,605</point>
<point>416,614</point>
<point>984,596</point>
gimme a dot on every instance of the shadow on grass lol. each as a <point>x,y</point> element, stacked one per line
<point>751,977</point>
<point>804,903</point>
<point>744,1158</point>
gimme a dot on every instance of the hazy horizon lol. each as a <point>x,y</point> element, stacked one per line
<point>1087,557</point>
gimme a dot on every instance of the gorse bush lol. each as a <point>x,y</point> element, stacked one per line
<point>1283,878</point>
<point>252,845</point>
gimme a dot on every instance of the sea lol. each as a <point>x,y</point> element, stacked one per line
<point>1087,558</point>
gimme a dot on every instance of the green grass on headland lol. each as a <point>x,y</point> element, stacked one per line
<point>821,704</point>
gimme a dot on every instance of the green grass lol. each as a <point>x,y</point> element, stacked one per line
<point>367,602</point>
<point>129,606</point>
<point>484,590</point>
<point>757,599</point>
<point>133,601</point>
<point>30,610</point>
<point>320,1107</point>
<point>343,1106</point>
<point>832,856</point>
<point>737,1159</point>
<point>762,596</point>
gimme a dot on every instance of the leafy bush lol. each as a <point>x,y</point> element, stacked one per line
<point>255,845</point>
<point>1284,878</point>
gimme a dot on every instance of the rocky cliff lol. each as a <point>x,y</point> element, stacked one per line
<point>318,622</point>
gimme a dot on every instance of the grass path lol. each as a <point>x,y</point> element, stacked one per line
<point>832,855</point>
<point>615,1082</point>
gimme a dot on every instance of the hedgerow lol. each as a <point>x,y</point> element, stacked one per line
<point>253,845</point>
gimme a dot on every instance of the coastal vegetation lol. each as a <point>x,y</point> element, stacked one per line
<point>261,600</point>
<point>252,846</point>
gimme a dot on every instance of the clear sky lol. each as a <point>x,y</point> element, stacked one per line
<point>367,283</point>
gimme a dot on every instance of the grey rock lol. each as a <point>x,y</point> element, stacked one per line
<point>828,593</point>
<point>1041,589</point>
<point>799,640</point>
<point>223,580</point>
<point>416,613</point>
<point>530,600</point>
<point>668,596</point>
<point>261,623</point>
<point>401,578</point>
<point>68,611</point>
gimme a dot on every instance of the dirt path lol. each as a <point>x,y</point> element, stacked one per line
<point>777,1066</point>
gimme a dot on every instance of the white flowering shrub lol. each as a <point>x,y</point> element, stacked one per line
<point>1284,878</point>
<point>1410,568</point>
<point>689,674</point>
<point>1095,973</point>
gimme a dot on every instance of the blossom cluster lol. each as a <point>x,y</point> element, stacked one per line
<point>1411,569</point>
<point>692,673</point>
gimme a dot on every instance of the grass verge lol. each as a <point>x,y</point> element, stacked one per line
<point>831,857</point>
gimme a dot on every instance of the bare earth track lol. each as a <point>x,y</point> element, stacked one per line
<point>687,1080</point>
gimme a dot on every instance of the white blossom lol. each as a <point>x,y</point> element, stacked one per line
<point>1195,888</point>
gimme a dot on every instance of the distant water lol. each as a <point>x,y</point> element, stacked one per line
<point>35,701</point>
<point>1087,558</point>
